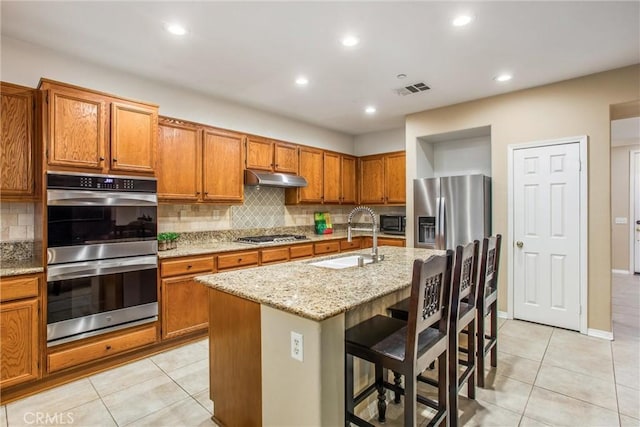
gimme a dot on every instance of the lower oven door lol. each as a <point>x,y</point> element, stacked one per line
<point>94,297</point>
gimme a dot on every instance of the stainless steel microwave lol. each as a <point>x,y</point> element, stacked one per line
<point>393,224</point>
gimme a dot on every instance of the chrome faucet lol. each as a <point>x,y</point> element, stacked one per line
<point>374,226</point>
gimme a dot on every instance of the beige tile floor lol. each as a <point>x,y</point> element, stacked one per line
<point>545,377</point>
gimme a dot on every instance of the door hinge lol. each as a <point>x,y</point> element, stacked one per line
<point>46,153</point>
<point>46,97</point>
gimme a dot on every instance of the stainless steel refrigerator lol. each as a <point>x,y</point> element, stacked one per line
<point>451,211</point>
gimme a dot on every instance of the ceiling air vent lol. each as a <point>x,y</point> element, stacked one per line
<point>411,89</point>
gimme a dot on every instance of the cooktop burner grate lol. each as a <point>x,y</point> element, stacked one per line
<point>273,238</point>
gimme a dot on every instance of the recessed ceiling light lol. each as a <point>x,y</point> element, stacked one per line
<point>370,109</point>
<point>401,76</point>
<point>175,29</point>
<point>350,41</point>
<point>302,81</point>
<point>503,77</point>
<point>462,20</point>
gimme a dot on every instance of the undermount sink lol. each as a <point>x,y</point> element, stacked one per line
<point>342,262</point>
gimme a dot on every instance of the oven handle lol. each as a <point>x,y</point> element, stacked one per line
<point>78,270</point>
<point>99,198</point>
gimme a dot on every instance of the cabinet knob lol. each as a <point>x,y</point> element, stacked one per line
<point>206,193</point>
<point>197,193</point>
<point>115,160</point>
<point>189,266</point>
<point>108,347</point>
<point>239,259</point>
<point>276,165</point>
<point>102,159</point>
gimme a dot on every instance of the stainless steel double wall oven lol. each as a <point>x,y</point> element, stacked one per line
<point>102,254</point>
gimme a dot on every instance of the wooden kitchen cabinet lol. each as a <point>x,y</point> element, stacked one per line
<point>96,132</point>
<point>19,330</point>
<point>332,178</point>
<point>382,179</point>
<point>179,160</point>
<point>184,301</point>
<point>17,146</point>
<point>198,163</point>
<point>311,168</point>
<point>222,171</point>
<point>348,178</point>
<point>269,155</point>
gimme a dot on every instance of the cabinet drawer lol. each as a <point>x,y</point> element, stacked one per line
<point>301,251</point>
<point>274,255</point>
<point>391,242</point>
<point>16,288</point>
<point>103,348</point>
<point>355,243</point>
<point>326,247</point>
<point>239,259</point>
<point>186,266</point>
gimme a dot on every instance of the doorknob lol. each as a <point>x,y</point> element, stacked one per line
<point>519,244</point>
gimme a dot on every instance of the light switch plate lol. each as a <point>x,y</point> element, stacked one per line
<point>621,220</point>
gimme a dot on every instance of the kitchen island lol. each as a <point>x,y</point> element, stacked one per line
<point>254,380</point>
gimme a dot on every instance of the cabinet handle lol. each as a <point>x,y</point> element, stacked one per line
<point>197,193</point>
<point>115,160</point>
<point>276,165</point>
<point>189,267</point>
<point>102,159</point>
<point>206,193</point>
<point>108,347</point>
<point>239,259</point>
<point>272,165</point>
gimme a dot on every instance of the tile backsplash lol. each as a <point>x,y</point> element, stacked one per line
<point>262,208</point>
<point>16,221</point>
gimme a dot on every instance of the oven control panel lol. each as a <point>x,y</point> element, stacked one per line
<point>100,182</point>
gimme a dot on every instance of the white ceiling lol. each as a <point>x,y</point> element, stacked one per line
<point>251,52</point>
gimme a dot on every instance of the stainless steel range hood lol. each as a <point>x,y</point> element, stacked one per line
<point>254,177</point>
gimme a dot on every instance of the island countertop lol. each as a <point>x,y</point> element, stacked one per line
<point>318,293</point>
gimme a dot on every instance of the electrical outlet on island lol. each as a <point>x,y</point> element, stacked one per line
<point>297,346</point>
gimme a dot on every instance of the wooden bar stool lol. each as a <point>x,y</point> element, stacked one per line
<point>405,347</point>
<point>462,317</point>
<point>487,304</point>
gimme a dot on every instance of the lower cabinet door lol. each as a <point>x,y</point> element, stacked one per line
<point>184,306</point>
<point>19,338</point>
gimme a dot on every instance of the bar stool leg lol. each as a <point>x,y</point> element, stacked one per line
<point>397,381</point>
<point>382,403</point>
<point>453,379</point>
<point>349,389</point>
<point>494,333</point>
<point>410,391</point>
<point>471,360</point>
<point>480,348</point>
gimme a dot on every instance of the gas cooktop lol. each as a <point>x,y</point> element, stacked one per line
<point>273,238</point>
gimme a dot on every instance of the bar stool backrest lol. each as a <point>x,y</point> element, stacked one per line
<point>429,301</point>
<point>489,264</point>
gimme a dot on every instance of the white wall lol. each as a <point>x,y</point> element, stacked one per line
<point>379,142</point>
<point>24,63</point>
<point>461,157</point>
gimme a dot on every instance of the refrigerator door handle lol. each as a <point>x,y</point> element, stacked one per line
<point>439,240</point>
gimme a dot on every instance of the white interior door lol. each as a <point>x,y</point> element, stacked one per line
<point>546,227</point>
<point>636,213</point>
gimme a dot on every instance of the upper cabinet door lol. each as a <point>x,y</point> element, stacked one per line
<point>17,161</point>
<point>348,184</point>
<point>259,153</point>
<point>285,158</point>
<point>134,133</point>
<point>311,169</point>
<point>395,178</point>
<point>76,134</point>
<point>331,178</point>
<point>223,166</point>
<point>372,180</point>
<point>179,169</point>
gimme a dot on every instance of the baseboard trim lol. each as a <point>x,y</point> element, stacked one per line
<point>503,314</point>
<point>597,333</point>
<point>620,271</point>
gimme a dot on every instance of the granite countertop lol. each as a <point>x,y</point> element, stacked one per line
<point>218,247</point>
<point>318,293</point>
<point>16,268</point>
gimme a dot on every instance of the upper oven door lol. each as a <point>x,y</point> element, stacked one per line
<point>84,225</point>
